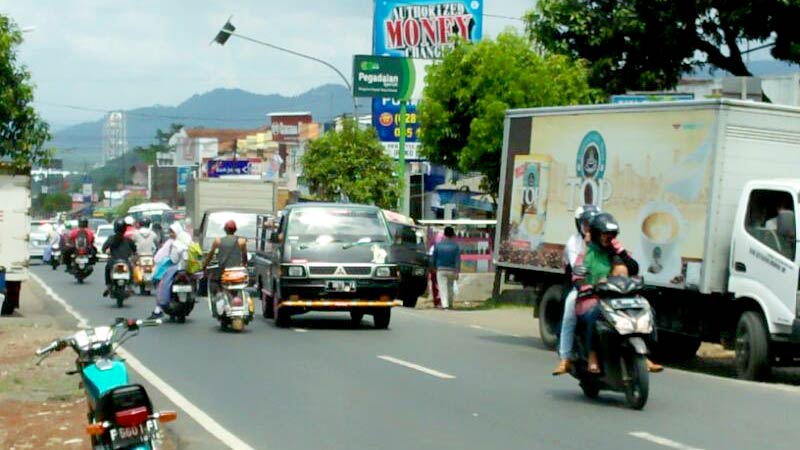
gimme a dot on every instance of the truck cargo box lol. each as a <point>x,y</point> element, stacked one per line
<point>671,173</point>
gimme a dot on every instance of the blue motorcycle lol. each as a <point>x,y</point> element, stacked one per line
<point>120,414</point>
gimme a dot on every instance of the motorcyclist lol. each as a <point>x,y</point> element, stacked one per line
<point>65,245</point>
<point>604,256</point>
<point>120,248</point>
<point>81,238</point>
<point>130,227</point>
<point>230,251</point>
<point>574,249</point>
<point>176,249</point>
<point>145,239</point>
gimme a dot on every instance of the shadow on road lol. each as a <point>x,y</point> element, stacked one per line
<point>726,367</point>
<point>328,322</point>
<point>606,398</point>
<point>514,340</point>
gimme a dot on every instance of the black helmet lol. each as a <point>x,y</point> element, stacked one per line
<point>83,223</point>
<point>119,226</point>
<point>603,223</point>
<point>144,223</point>
<point>585,214</point>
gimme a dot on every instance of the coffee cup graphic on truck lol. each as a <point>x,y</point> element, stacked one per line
<point>662,229</point>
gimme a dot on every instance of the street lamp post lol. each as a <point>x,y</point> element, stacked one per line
<point>228,30</point>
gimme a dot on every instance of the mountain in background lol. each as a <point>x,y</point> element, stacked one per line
<point>81,144</point>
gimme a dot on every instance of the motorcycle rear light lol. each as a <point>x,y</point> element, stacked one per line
<point>96,429</point>
<point>237,301</point>
<point>167,416</point>
<point>131,417</point>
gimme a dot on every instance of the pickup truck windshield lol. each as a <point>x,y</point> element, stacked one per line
<point>341,225</point>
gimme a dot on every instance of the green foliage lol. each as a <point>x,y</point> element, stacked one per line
<point>351,164</point>
<point>648,44</point>
<point>22,132</point>
<point>130,200</point>
<point>468,92</point>
<point>48,204</point>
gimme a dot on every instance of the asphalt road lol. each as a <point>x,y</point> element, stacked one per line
<point>329,385</point>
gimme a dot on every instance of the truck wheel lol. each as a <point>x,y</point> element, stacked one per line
<point>382,318</point>
<point>752,347</point>
<point>11,301</point>
<point>356,316</point>
<point>266,302</point>
<point>551,310</point>
<point>282,318</point>
<point>409,302</point>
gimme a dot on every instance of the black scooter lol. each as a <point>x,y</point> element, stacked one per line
<point>625,321</point>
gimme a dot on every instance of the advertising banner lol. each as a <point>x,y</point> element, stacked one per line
<point>387,120</point>
<point>228,167</point>
<point>183,177</point>
<point>384,76</point>
<point>651,170</point>
<point>286,127</point>
<point>656,97</point>
<point>423,29</point>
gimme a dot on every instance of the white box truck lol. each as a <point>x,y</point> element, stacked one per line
<point>706,194</point>
<point>15,222</point>
<point>240,192</point>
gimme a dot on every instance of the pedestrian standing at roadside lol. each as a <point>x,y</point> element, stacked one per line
<point>447,262</point>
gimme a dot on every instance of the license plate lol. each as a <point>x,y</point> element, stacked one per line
<point>179,288</point>
<point>340,286</point>
<point>125,437</point>
<point>82,260</point>
<point>119,276</point>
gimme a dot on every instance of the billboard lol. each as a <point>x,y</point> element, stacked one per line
<point>421,30</point>
<point>424,29</point>
<point>285,127</point>
<point>218,168</point>
<point>384,76</point>
<point>650,170</point>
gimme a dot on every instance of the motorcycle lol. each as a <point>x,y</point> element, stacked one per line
<point>55,256</point>
<point>120,282</point>
<point>82,264</point>
<point>232,305</point>
<point>143,273</point>
<point>625,321</point>
<point>120,414</point>
<point>182,298</point>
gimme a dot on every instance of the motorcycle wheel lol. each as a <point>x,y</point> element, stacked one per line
<point>237,324</point>
<point>590,390</point>
<point>638,388</point>
<point>120,299</point>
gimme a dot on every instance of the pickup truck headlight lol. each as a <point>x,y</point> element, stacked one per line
<point>383,272</point>
<point>295,271</point>
<point>419,271</point>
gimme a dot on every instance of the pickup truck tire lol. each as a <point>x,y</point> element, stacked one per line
<point>551,310</point>
<point>356,316</point>
<point>11,301</point>
<point>752,347</point>
<point>382,317</point>
<point>409,302</point>
<point>282,317</point>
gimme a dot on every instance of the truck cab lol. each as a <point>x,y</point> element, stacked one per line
<point>764,269</point>
<point>326,257</point>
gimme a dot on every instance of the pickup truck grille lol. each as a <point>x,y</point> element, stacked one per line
<point>337,270</point>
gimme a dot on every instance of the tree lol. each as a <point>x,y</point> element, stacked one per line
<point>130,200</point>
<point>467,94</point>
<point>649,44</point>
<point>351,163</point>
<point>22,132</point>
<point>53,203</point>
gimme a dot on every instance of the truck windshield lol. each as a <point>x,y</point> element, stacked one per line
<point>344,225</point>
<point>245,227</point>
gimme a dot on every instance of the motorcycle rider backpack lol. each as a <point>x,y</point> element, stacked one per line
<point>195,263</point>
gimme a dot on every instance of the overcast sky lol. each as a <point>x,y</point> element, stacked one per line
<point>126,54</point>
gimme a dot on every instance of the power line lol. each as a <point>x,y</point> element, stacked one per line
<point>499,16</point>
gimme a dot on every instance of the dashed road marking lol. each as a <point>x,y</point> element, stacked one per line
<point>417,367</point>
<point>661,441</point>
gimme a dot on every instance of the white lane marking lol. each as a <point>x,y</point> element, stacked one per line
<point>417,367</point>
<point>225,436</point>
<point>492,330</point>
<point>300,330</point>
<point>661,440</point>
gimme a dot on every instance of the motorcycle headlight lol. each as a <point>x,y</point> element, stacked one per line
<point>295,271</point>
<point>383,272</point>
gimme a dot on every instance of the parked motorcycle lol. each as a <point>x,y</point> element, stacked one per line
<point>121,415</point>
<point>182,298</point>
<point>232,305</point>
<point>143,273</point>
<point>55,256</point>
<point>82,264</point>
<point>120,282</point>
<point>626,320</point>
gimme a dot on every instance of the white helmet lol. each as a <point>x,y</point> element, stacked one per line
<point>129,220</point>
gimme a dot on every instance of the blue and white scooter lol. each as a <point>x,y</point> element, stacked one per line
<point>120,414</point>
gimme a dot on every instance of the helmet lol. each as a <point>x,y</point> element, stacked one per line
<point>603,223</point>
<point>585,214</point>
<point>144,223</point>
<point>129,220</point>
<point>83,223</point>
<point>230,226</point>
<point>119,226</point>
